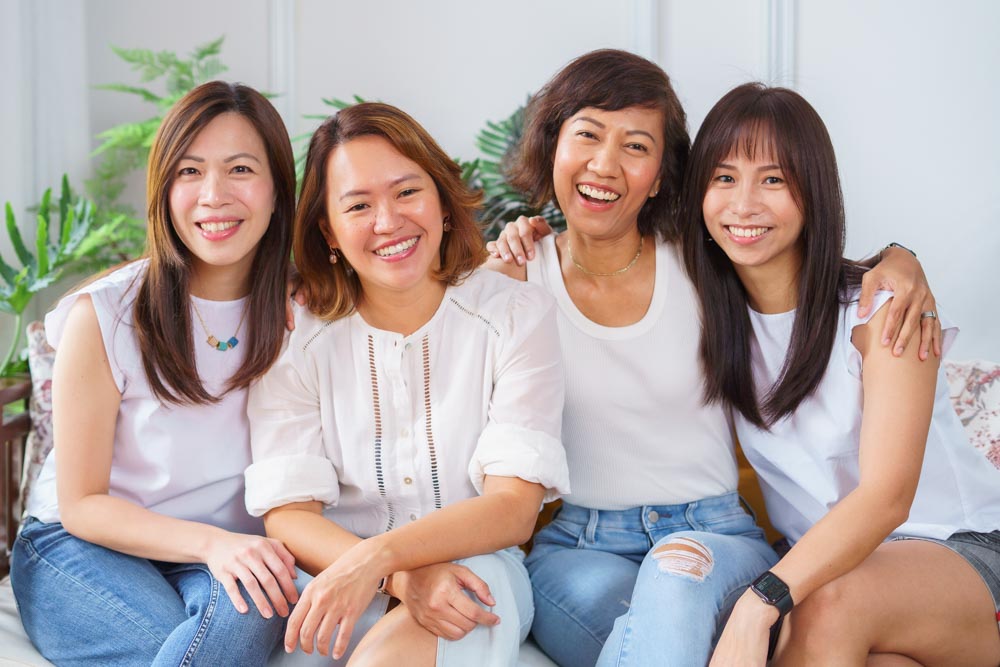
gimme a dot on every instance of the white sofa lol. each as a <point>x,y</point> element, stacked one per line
<point>16,648</point>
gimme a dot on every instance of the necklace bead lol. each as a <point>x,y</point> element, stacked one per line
<point>220,345</point>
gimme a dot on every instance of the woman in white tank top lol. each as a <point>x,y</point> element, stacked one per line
<point>852,444</point>
<point>138,548</point>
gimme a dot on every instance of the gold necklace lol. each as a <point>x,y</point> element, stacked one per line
<point>220,345</point>
<point>620,271</point>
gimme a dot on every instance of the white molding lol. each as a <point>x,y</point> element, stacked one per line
<point>781,34</point>
<point>646,28</point>
<point>282,44</point>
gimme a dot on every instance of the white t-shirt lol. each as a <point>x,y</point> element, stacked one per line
<point>809,460</point>
<point>384,428</point>
<point>182,461</point>
<point>635,427</point>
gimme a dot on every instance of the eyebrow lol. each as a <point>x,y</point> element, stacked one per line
<point>231,158</point>
<point>602,126</point>
<point>766,167</point>
<point>394,182</point>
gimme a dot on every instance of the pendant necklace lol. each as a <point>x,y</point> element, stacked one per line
<point>220,345</point>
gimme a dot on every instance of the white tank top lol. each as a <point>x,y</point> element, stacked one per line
<point>182,461</point>
<point>635,428</point>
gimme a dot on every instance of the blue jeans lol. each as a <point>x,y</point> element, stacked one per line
<point>593,571</point>
<point>83,604</point>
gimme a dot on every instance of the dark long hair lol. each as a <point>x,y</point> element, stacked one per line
<point>334,289</point>
<point>757,120</point>
<point>162,307</point>
<point>607,79</point>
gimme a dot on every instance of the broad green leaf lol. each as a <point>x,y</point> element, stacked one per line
<point>42,244</point>
<point>16,241</point>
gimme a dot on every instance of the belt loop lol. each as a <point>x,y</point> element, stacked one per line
<point>591,534</point>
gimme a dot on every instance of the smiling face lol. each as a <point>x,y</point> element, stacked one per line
<point>751,213</point>
<point>607,164</point>
<point>222,195</point>
<point>385,215</point>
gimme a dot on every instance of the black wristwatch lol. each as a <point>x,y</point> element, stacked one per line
<point>773,591</point>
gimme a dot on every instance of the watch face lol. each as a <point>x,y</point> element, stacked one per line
<point>771,587</point>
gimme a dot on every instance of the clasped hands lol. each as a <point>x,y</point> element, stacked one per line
<point>435,595</point>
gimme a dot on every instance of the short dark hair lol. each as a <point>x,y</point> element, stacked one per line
<point>757,120</point>
<point>162,308</point>
<point>607,79</point>
<point>333,289</point>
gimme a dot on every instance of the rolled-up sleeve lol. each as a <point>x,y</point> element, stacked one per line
<point>523,436</point>
<point>286,440</point>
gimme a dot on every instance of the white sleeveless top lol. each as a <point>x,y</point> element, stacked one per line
<point>809,460</point>
<point>635,427</point>
<point>182,461</point>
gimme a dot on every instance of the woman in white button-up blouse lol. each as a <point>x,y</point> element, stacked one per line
<point>412,420</point>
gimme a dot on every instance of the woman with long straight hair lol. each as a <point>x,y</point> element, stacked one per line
<point>893,516</point>
<point>404,439</point>
<point>138,548</point>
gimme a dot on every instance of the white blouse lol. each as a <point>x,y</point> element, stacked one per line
<point>808,461</point>
<point>384,428</point>
<point>183,461</point>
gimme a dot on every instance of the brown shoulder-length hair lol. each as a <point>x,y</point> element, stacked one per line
<point>162,307</point>
<point>334,289</point>
<point>757,120</point>
<point>607,79</point>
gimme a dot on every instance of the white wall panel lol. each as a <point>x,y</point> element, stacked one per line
<point>910,94</point>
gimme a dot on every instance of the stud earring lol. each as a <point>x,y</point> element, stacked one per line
<point>447,223</point>
<point>334,255</point>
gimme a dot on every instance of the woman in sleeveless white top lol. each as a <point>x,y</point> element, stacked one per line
<point>138,548</point>
<point>652,468</point>
<point>893,517</point>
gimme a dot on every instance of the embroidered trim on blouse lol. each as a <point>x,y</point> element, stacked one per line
<point>470,313</point>
<point>377,410</point>
<point>315,336</point>
<point>435,481</point>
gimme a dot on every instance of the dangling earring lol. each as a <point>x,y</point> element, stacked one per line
<point>334,255</point>
<point>447,223</point>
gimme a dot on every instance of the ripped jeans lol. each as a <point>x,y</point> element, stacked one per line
<point>600,579</point>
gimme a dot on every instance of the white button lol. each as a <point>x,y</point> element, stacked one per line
<point>405,433</point>
<point>408,346</point>
<point>653,516</point>
<point>413,517</point>
<point>407,480</point>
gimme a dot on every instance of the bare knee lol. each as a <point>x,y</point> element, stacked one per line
<point>824,625</point>
<point>684,557</point>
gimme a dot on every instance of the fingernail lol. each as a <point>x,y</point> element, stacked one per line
<point>506,257</point>
<point>520,260</point>
<point>885,341</point>
<point>288,649</point>
<point>898,351</point>
<point>531,254</point>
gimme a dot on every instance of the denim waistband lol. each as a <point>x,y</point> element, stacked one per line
<point>643,518</point>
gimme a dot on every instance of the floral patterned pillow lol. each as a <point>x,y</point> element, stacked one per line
<point>975,393</point>
<point>39,442</point>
